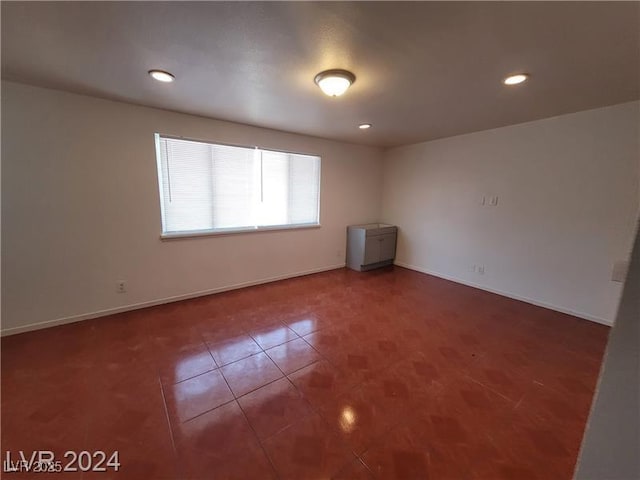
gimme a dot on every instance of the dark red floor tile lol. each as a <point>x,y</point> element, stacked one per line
<point>174,334</point>
<point>246,463</point>
<point>534,444</point>
<point>145,452</point>
<point>544,405</point>
<point>333,340</point>
<point>273,335</point>
<point>273,407</point>
<point>307,324</point>
<point>359,363</point>
<point>503,378</point>
<point>51,424</point>
<point>192,397</point>
<point>184,363</point>
<point>356,470</point>
<point>250,373</point>
<point>401,455</point>
<point>119,377</point>
<point>308,449</point>
<point>422,373</point>
<point>127,416</point>
<point>359,417</point>
<point>220,444</point>
<point>216,330</point>
<point>258,320</point>
<point>505,470</point>
<point>233,349</point>
<point>392,392</point>
<point>320,382</point>
<point>293,355</point>
<point>216,433</point>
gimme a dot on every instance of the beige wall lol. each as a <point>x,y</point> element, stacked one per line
<point>567,206</point>
<point>80,209</point>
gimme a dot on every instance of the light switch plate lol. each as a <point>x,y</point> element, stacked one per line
<point>619,271</point>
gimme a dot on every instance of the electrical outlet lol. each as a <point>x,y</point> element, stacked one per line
<point>481,269</point>
<point>493,201</point>
<point>483,200</point>
<point>474,268</point>
<point>121,286</point>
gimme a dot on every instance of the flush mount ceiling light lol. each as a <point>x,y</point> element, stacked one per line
<point>515,79</point>
<point>364,126</point>
<point>162,76</point>
<point>334,82</point>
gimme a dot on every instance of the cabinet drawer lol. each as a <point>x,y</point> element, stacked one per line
<point>372,232</point>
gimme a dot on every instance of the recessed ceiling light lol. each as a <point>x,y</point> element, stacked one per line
<point>364,126</point>
<point>334,82</point>
<point>162,76</point>
<point>515,79</point>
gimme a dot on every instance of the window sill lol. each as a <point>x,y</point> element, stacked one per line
<point>234,231</point>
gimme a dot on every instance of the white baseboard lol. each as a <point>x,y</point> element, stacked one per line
<point>159,301</point>
<point>538,303</point>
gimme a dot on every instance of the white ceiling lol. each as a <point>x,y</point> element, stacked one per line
<point>424,70</point>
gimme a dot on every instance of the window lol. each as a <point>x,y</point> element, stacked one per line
<point>210,188</point>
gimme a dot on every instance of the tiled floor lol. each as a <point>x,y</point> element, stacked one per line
<point>386,374</point>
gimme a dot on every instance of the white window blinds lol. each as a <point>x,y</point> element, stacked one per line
<point>206,187</point>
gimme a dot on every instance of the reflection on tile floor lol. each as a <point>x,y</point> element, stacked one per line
<point>386,374</point>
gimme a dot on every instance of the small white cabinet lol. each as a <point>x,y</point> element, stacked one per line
<point>370,246</point>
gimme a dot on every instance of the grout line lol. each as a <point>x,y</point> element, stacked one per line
<point>277,366</point>
<point>314,348</point>
<point>235,399</point>
<point>171,436</point>
<point>298,420</point>
<point>297,369</point>
<point>220,367</point>
<point>264,450</point>
<point>191,377</point>
<point>279,344</point>
<point>257,388</point>
<point>209,350</point>
<point>315,410</point>
<point>209,410</point>
<point>240,359</point>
